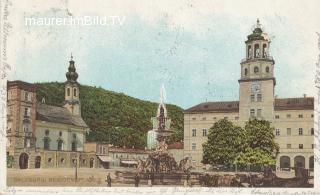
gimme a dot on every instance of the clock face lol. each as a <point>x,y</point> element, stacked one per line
<point>255,88</point>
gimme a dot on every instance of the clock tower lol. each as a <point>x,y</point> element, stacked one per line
<point>257,82</point>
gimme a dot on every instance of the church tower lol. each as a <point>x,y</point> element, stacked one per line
<point>257,82</point>
<point>72,100</point>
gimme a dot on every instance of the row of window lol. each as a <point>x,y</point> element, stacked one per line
<point>74,92</point>
<point>204,132</point>
<point>194,146</point>
<point>46,144</point>
<point>215,118</point>
<point>256,70</point>
<point>300,131</point>
<point>300,146</point>
<point>256,113</point>
<point>289,116</point>
<point>256,97</point>
<point>257,51</point>
<point>27,96</point>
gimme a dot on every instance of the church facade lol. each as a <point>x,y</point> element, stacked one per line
<point>46,136</point>
<point>292,117</point>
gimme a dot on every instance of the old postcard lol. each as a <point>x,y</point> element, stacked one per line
<point>159,97</point>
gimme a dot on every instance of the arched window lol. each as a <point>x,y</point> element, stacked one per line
<point>264,51</point>
<point>249,51</point>
<point>60,144</point>
<point>68,91</point>
<point>46,132</point>
<point>74,146</point>
<point>75,92</point>
<point>256,51</point>
<point>46,143</point>
<point>245,71</point>
<point>256,69</point>
<point>267,69</point>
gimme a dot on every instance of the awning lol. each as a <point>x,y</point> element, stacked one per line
<point>105,158</point>
<point>130,162</point>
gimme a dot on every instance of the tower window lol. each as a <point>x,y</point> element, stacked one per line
<point>75,92</point>
<point>259,97</point>
<point>300,146</point>
<point>245,71</point>
<point>256,69</point>
<point>289,146</point>
<point>249,51</point>
<point>267,69</point>
<point>264,50</point>
<point>252,97</point>
<point>60,145</point>
<point>300,116</point>
<point>312,131</point>
<point>60,133</point>
<point>256,51</point>
<point>68,91</point>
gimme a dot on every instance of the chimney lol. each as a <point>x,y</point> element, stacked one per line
<point>304,95</point>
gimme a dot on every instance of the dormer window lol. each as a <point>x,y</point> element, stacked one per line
<point>68,91</point>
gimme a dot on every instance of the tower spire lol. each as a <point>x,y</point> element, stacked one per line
<point>72,75</point>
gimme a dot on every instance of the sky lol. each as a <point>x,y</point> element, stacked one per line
<point>193,48</point>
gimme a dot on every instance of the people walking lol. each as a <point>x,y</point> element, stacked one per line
<point>108,180</point>
<point>137,180</point>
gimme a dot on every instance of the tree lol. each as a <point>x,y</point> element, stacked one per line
<point>261,146</point>
<point>261,136</point>
<point>255,157</point>
<point>225,141</point>
<point>176,136</point>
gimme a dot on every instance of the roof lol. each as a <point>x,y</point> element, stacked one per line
<point>128,150</point>
<point>22,85</point>
<point>176,145</point>
<point>56,114</point>
<point>232,106</point>
<point>303,103</point>
<point>306,103</point>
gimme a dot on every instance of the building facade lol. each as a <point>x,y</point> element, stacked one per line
<point>291,117</point>
<point>45,136</point>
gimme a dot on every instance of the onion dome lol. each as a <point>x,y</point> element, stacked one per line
<point>257,33</point>
<point>72,75</point>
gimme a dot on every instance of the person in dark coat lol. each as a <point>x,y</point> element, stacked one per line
<point>136,180</point>
<point>108,180</point>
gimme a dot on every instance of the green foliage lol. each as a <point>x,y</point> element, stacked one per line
<point>177,136</point>
<point>260,135</point>
<point>225,141</point>
<point>10,160</point>
<point>229,144</point>
<point>105,110</point>
<point>255,157</point>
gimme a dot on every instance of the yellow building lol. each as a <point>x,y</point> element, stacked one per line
<point>291,117</point>
<point>46,136</point>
